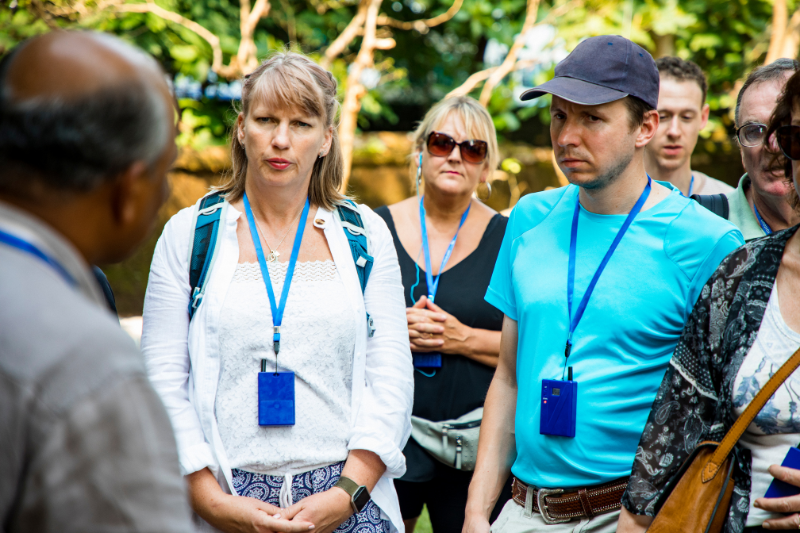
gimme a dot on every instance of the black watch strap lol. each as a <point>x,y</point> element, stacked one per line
<point>359,495</point>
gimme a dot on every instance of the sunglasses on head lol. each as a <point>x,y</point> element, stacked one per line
<point>789,140</point>
<point>472,151</point>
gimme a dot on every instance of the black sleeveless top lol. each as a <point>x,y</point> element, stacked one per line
<point>460,385</point>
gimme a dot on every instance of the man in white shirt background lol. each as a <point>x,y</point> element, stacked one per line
<point>683,113</point>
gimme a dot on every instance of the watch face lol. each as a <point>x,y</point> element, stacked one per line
<point>361,498</point>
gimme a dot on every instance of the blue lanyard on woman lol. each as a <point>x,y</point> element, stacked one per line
<point>277,308</point>
<point>28,248</point>
<point>433,281</point>
<point>573,244</point>
<point>764,225</point>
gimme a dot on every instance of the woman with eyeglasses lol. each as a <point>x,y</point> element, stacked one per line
<point>447,242</point>
<point>744,327</point>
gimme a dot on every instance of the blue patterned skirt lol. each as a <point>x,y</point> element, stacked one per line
<point>268,489</point>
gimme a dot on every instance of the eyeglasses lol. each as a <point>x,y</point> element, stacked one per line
<point>472,151</point>
<point>751,135</point>
<point>789,141</point>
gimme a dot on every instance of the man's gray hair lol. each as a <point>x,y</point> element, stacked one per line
<point>772,72</point>
<point>76,145</point>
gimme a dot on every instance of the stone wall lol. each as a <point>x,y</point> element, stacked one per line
<point>380,176</point>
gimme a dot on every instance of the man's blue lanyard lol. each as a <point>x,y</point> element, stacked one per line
<point>691,187</point>
<point>574,320</point>
<point>433,281</point>
<point>764,225</point>
<point>25,246</point>
<point>277,309</point>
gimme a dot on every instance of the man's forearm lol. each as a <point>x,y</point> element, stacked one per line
<point>496,448</point>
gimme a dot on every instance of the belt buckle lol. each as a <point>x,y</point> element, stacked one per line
<point>541,494</point>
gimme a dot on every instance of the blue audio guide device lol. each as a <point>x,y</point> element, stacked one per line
<point>276,398</point>
<point>427,360</point>
<point>559,408</point>
<point>780,489</point>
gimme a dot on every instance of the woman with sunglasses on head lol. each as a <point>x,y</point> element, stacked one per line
<point>447,242</point>
<point>744,327</point>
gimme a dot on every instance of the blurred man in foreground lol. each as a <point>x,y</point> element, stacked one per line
<point>683,113</point>
<point>86,137</point>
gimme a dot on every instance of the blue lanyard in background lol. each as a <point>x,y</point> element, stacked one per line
<point>433,281</point>
<point>764,225</point>
<point>574,320</point>
<point>25,246</point>
<point>277,309</point>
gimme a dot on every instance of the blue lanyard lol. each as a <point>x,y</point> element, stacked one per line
<point>433,281</point>
<point>691,187</point>
<point>764,225</point>
<point>574,320</point>
<point>25,246</point>
<point>277,309</point>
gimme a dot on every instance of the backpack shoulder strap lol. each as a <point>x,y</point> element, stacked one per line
<point>205,236</point>
<point>716,203</point>
<point>358,238</point>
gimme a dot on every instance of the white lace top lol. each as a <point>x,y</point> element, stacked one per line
<point>777,427</point>
<point>317,344</point>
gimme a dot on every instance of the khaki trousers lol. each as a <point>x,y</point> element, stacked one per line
<point>512,519</point>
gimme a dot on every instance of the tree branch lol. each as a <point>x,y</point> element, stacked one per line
<point>210,38</point>
<point>508,63</point>
<point>475,79</point>
<point>422,26</point>
<point>354,29</point>
<point>780,16</point>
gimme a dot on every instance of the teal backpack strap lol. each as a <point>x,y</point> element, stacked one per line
<point>358,239</point>
<point>204,244</point>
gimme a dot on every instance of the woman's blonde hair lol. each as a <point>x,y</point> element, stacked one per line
<point>290,79</point>
<point>477,122</point>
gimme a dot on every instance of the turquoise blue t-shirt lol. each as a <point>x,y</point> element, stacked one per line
<point>628,332</point>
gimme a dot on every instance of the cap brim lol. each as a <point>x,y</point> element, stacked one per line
<point>576,91</point>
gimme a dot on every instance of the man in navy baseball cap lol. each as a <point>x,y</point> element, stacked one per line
<point>596,281</point>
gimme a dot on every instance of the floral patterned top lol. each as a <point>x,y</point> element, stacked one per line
<point>695,400</point>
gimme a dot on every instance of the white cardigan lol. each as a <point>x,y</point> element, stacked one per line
<point>183,359</point>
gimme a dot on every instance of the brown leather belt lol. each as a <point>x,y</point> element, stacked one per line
<point>557,506</point>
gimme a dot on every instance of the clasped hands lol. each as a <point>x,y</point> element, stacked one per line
<point>322,512</point>
<point>430,328</point>
<point>790,505</point>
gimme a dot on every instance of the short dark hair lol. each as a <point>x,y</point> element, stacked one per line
<point>774,71</point>
<point>76,145</point>
<point>783,113</point>
<point>637,109</point>
<point>683,70</point>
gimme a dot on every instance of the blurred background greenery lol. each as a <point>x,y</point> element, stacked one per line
<point>395,58</point>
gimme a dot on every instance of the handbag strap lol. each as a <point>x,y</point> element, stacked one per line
<point>743,422</point>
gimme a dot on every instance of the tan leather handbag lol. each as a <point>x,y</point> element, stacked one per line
<point>698,499</point>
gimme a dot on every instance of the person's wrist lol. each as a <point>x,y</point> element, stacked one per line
<point>343,500</point>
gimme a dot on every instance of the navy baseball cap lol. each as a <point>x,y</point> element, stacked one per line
<point>601,70</point>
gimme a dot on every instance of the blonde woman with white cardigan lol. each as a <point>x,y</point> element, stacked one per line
<point>352,392</point>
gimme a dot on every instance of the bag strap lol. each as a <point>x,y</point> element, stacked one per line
<point>205,234</point>
<point>744,421</point>
<point>358,239</point>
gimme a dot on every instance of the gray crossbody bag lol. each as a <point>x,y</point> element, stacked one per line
<point>453,442</point>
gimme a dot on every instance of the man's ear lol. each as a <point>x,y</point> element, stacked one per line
<point>704,116</point>
<point>648,128</point>
<point>127,193</point>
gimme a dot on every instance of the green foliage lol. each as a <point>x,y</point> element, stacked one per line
<point>726,38</point>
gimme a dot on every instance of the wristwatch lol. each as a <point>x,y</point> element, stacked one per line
<point>359,495</point>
